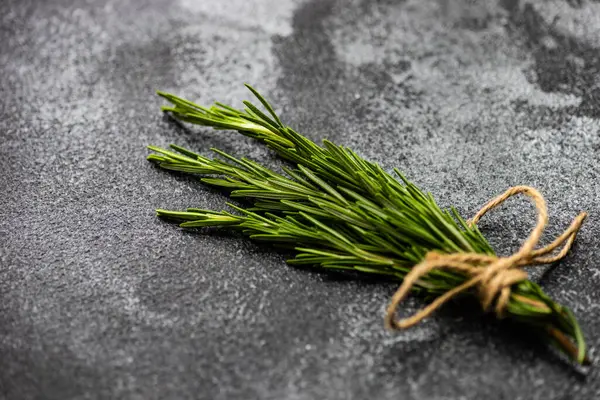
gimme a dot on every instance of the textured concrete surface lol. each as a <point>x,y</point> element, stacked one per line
<point>99,299</point>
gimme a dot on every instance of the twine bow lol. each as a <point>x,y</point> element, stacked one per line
<point>493,276</point>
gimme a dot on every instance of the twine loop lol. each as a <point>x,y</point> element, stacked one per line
<point>493,276</point>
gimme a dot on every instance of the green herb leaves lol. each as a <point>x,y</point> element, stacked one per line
<point>339,211</point>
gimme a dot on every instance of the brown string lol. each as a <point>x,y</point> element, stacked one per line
<point>492,275</point>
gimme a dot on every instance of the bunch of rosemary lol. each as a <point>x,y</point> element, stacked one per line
<point>339,211</point>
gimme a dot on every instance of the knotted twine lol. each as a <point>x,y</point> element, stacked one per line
<point>492,275</point>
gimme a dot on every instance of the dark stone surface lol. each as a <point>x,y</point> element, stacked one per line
<point>100,299</point>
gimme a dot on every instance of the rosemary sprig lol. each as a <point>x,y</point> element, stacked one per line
<point>339,211</point>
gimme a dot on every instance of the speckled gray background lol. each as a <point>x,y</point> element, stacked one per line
<point>100,299</point>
